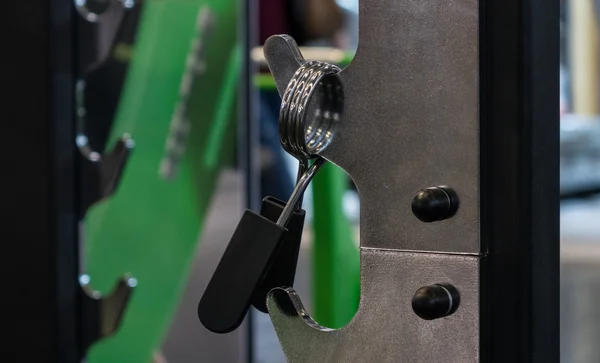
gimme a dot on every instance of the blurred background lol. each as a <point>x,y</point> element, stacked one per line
<point>171,73</point>
<point>580,179</point>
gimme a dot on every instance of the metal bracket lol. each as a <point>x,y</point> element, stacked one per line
<point>102,315</point>
<point>100,176</point>
<point>411,121</point>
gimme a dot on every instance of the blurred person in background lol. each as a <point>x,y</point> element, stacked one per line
<point>307,21</point>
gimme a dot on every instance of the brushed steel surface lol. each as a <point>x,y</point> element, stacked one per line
<point>385,328</point>
<point>411,118</point>
<point>411,121</point>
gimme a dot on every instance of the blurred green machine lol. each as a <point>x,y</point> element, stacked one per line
<point>179,105</point>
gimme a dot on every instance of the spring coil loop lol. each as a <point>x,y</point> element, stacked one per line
<point>311,108</point>
<point>305,128</point>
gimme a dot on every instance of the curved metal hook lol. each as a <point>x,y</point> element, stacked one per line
<point>385,327</point>
<point>92,10</point>
<point>285,306</point>
<point>303,340</point>
<point>81,139</point>
<point>102,315</point>
<point>102,172</point>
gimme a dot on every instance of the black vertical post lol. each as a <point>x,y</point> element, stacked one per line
<point>248,126</point>
<point>64,186</point>
<point>520,180</point>
<point>38,197</point>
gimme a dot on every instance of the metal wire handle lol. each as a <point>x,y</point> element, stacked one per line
<point>311,107</point>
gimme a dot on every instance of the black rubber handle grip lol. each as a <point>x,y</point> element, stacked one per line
<point>249,254</point>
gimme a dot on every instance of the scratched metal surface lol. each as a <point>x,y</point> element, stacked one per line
<point>411,118</point>
<point>385,328</point>
<point>411,121</point>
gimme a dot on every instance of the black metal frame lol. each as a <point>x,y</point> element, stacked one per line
<point>64,187</point>
<point>520,180</point>
<point>248,129</point>
<point>40,224</point>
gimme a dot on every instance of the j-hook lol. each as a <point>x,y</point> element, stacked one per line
<point>402,101</point>
<point>101,174</point>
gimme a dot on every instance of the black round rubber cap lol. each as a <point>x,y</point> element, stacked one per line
<point>435,301</point>
<point>435,204</point>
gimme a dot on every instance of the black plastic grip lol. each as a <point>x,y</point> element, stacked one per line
<point>249,254</point>
<point>282,270</point>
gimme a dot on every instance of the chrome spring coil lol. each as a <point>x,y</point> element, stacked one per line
<point>306,128</point>
<point>311,109</point>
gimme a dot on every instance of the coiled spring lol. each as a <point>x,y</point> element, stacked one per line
<point>311,109</point>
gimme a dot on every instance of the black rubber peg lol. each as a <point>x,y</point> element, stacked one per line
<point>435,204</point>
<point>436,301</point>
